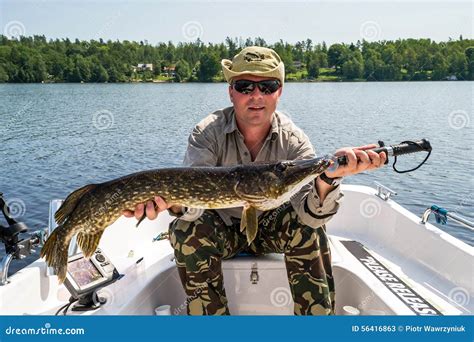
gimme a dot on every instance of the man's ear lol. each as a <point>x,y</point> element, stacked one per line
<point>279,94</point>
<point>231,94</point>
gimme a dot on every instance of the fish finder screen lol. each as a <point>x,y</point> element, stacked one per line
<point>83,272</point>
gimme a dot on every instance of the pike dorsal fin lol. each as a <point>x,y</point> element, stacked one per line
<point>71,202</point>
<point>249,222</point>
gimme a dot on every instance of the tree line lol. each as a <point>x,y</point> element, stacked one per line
<point>37,59</point>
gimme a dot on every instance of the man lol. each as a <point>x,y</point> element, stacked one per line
<point>252,130</point>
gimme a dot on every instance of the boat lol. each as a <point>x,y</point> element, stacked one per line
<point>386,261</point>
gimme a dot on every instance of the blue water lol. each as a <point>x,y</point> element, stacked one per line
<point>55,138</point>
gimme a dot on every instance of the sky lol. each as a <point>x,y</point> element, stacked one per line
<point>212,21</point>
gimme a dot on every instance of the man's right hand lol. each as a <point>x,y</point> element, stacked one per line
<point>150,209</point>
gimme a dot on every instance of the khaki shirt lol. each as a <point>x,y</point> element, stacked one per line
<point>217,141</point>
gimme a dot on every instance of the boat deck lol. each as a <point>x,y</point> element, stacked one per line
<point>384,264</point>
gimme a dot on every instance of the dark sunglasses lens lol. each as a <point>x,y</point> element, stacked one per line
<point>244,87</point>
<point>268,87</point>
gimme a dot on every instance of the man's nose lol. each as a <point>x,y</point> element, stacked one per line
<point>256,93</point>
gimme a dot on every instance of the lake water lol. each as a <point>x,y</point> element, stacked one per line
<point>55,138</point>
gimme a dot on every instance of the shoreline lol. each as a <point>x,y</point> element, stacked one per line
<point>216,82</point>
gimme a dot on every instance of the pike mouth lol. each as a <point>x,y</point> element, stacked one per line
<point>307,168</point>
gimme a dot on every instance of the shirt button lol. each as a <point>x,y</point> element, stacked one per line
<point>246,153</point>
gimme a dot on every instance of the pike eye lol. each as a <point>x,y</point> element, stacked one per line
<point>281,167</point>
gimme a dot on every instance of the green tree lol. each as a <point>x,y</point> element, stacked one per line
<point>157,68</point>
<point>232,47</point>
<point>38,69</point>
<point>440,67</point>
<point>259,41</point>
<point>458,64</point>
<point>114,75</point>
<point>35,59</point>
<point>3,75</point>
<point>99,74</point>
<point>74,75</point>
<point>209,66</point>
<point>182,70</point>
<point>469,52</point>
<point>147,75</point>
<point>410,62</point>
<point>337,55</point>
<point>352,69</point>
<point>313,68</point>
<point>322,59</point>
<point>83,67</point>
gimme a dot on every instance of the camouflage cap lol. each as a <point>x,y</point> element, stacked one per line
<point>256,61</point>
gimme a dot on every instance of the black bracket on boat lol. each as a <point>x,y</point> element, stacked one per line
<point>16,247</point>
<point>405,147</point>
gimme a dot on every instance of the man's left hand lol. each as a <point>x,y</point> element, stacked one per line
<point>359,159</point>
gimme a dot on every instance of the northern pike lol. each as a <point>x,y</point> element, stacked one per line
<point>89,210</point>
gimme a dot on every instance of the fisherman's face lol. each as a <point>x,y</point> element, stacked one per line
<point>256,108</point>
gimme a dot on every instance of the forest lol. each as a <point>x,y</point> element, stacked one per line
<point>37,59</point>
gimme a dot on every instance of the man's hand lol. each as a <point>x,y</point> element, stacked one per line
<point>359,159</point>
<point>150,210</point>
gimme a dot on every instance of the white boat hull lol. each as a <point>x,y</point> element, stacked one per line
<point>432,268</point>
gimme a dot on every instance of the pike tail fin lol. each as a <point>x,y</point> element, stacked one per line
<point>55,252</point>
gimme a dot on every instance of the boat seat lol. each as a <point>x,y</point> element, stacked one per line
<point>272,257</point>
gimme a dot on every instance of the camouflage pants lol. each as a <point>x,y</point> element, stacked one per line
<point>200,247</point>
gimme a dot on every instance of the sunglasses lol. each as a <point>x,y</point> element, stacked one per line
<point>266,87</point>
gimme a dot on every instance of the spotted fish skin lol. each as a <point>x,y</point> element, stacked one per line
<point>88,211</point>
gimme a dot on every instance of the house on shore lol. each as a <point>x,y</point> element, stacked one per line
<point>143,67</point>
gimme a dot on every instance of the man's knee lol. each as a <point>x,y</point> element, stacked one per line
<point>187,237</point>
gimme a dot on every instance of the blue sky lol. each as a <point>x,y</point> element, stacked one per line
<point>212,21</point>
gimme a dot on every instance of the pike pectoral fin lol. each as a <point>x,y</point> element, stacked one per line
<point>88,242</point>
<point>249,222</point>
